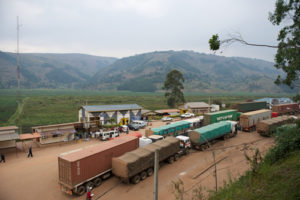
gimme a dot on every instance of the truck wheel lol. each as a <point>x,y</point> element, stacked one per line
<point>80,190</point>
<point>89,184</point>
<point>176,157</point>
<point>143,175</point>
<point>149,171</point>
<point>136,179</point>
<point>171,159</point>
<point>202,147</point>
<point>97,181</point>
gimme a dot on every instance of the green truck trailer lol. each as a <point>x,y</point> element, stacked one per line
<point>210,118</point>
<point>202,136</point>
<point>251,106</point>
<point>173,129</point>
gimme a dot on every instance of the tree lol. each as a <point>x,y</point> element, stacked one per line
<point>288,49</point>
<point>173,86</point>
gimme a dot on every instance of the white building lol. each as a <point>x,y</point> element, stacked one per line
<point>104,114</point>
<point>8,137</point>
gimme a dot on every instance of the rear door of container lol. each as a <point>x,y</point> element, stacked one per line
<point>64,170</point>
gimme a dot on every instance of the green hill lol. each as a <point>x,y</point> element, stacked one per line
<point>202,72</point>
<point>50,70</point>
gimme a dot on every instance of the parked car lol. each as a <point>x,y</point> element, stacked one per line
<point>165,119</point>
<point>133,126</point>
<point>186,115</point>
<point>140,123</point>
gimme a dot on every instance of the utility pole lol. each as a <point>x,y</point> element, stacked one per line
<point>19,78</point>
<point>156,161</point>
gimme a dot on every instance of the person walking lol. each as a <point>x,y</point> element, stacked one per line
<point>89,194</point>
<point>29,152</point>
<point>2,158</point>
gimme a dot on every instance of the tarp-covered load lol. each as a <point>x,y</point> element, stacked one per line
<point>268,126</point>
<point>210,132</point>
<point>134,162</point>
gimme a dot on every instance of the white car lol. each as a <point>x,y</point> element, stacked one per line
<point>186,115</point>
<point>165,119</point>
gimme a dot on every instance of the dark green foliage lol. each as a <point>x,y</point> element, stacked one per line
<point>214,43</point>
<point>174,86</point>
<point>286,142</point>
<point>138,85</point>
<point>287,57</point>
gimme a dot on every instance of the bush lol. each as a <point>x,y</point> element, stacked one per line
<point>286,142</point>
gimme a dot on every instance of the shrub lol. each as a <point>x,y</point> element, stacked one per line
<point>286,142</point>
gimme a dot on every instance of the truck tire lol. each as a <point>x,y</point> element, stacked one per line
<point>136,179</point>
<point>89,184</point>
<point>176,157</point>
<point>171,159</point>
<point>97,181</point>
<point>149,171</point>
<point>143,175</point>
<point>80,190</point>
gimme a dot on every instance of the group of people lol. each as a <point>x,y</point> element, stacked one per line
<point>28,155</point>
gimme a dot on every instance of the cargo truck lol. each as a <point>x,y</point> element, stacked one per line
<point>137,165</point>
<point>284,109</point>
<point>269,126</point>
<point>210,118</point>
<point>173,129</point>
<point>201,137</point>
<point>249,120</point>
<point>87,167</point>
<point>251,106</point>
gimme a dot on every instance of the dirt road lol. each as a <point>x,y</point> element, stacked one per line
<point>37,177</point>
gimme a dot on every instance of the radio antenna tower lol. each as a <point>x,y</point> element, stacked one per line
<point>18,75</point>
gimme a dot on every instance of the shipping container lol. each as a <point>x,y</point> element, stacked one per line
<point>251,106</point>
<point>249,120</point>
<point>202,136</point>
<point>173,129</point>
<point>138,164</point>
<point>269,126</point>
<point>88,166</point>
<point>210,118</point>
<point>282,109</point>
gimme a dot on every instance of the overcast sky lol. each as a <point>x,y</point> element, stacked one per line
<point>121,28</point>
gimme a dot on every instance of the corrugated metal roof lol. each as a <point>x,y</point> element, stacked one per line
<point>5,137</point>
<point>97,108</point>
<point>282,100</point>
<point>29,136</point>
<point>167,111</point>
<point>196,105</point>
<point>173,125</point>
<point>8,128</point>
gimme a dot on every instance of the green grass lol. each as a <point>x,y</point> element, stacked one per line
<point>45,107</point>
<point>278,181</point>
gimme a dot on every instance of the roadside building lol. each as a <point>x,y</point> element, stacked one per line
<point>164,112</point>
<point>275,101</point>
<point>195,107</point>
<point>148,114</point>
<point>55,133</point>
<point>105,114</point>
<point>8,137</point>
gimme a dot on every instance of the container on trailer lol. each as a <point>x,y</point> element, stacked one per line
<point>269,126</point>
<point>155,138</point>
<point>142,159</point>
<point>281,109</point>
<point>249,120</point>
<point>172,129</point>
<point>210,132</point>
<point>210,118</point>
<point>251,106</point>
<point>78,166</point>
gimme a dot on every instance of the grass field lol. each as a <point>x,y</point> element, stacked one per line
<point>44,107</point>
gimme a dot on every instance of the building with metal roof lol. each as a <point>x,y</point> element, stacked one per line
<point>275,101</point>
<point>95,115</point>
<point>195,107</point>
<point>8,136</point>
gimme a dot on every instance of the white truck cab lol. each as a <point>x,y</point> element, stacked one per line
<point>184,141</point>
